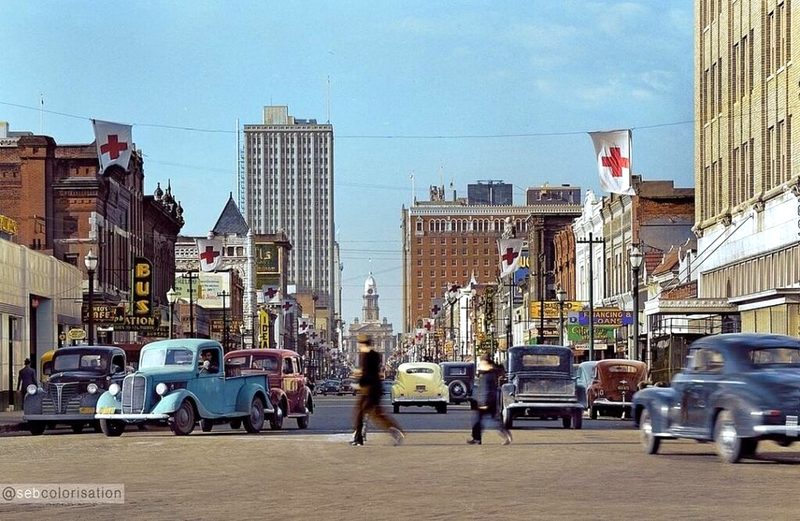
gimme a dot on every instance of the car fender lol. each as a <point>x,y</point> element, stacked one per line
<point>172,401</point>
<point>741,407</point>
<point>658,401</point>
<point>580,393</point>
<point>276,394</point>
<point>32,404</point>
<point>309,400</point>
<point>245,397</point>
<point>89,400</point>
<point>507,392</point>
<point>107,401</point>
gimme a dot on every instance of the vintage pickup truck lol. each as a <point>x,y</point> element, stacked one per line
<point>181,382</point>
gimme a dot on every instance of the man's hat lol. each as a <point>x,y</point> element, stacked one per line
<point>364,338</point>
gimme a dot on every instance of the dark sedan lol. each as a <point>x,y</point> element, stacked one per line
<point>329,387</point>
<point>735,390</point>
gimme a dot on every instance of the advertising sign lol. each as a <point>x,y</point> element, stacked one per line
<point>207,288</point>
<point>142,287</point>
<point>552,309</point>
<point>607,317</point>
<point>263,329</point>
<point>266,256</point>
<point>580,334</point>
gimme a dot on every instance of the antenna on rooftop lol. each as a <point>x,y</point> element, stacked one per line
<point>41,114</point>
<point>329,98</point>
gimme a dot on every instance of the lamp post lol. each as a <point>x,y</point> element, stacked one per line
<point>636,262</point>
<point>561,295</point>
<point>452,299</point>
<point>242,331</point>
<point>172,296</point>
<point>91,264</point>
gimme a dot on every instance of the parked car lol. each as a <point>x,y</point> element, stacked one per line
<point>329,387</point>
<point>181,382</point>
<point>78,375</point>
<point>584,373</point>
<point>348,387</point>
<point>460,380</point>
<point>288,387</point>
<point>541,386</point>
<point>734,389</point>
<point>420,383</point>
<point>613,385</point>
<point>387,387</point>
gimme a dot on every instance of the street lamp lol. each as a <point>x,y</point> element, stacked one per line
<point>452,299</point>
<point>561,295</point>
<point>172,296</point>
<point>242,331</point>
<point>636,262</point>
<point>91,264</point>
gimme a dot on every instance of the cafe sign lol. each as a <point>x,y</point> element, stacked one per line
<point>552,308</point>
<point>580,334</point>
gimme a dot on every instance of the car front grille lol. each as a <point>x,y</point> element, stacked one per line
<point>547,387</point>
<point>134,388</point>
<point>61,398</point>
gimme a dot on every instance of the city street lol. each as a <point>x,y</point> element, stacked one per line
<point>599,472</point>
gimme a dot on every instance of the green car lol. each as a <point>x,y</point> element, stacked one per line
<point>182,382</point>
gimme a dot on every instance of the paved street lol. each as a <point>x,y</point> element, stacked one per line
<point>599,472</point>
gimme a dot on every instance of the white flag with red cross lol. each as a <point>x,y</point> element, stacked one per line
<point>510,252</point>
<point>436,307</point>
<point>270,294</point>
<point>287,306</point>
<point>303,325</point>
<point>613,150</point>
<point>429,324</point>
<point>419,336</point>
<point>114,144</point>
<point>210,252</point>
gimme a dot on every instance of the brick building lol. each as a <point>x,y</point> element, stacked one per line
<point>64,208</point>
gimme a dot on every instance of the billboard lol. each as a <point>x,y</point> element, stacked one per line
<point>266,257</point>
<point>207,288</point>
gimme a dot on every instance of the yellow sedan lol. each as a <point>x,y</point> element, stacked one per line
<point>420,383</point>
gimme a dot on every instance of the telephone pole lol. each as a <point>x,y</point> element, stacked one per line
<point>591,241</point>
<point>191,275</point>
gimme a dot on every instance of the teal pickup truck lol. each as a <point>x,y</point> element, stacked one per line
<point>182,382</point>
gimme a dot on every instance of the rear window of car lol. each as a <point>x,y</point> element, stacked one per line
<point>622,369</point>
<point>541,360</point>
<point>419,370</point>
<point>775,356</point>
<point>457,371</point>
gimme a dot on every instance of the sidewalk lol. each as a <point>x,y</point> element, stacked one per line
<point>11,421</point>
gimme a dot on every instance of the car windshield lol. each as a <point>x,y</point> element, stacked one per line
<point>79,362</point>
<point>775,356</point>
<point>168,356</point>
<point>541,360</point>
<point>418,370</point>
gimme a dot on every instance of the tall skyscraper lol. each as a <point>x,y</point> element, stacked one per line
<point>289,189</point>
<point>490,192</point>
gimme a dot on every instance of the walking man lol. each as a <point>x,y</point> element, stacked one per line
<point>27,376</point>
<point>370,392</point>
<point>486,398</point>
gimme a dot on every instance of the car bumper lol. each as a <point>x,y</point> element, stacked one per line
<point>132,417</point>
<point>57,417</point>
<point>418,401</point>
<point>608,403</point>
<point>545,407</point>
<point>783,430</point>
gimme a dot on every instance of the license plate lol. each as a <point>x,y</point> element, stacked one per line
<point>107,410</point>
<point>623,388</point>
<point>420,388</point>
<point>86,410</point>
<point>791,426</point>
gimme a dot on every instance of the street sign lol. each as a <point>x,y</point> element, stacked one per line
<point>76,334</point>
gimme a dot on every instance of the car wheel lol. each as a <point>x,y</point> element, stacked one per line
<point>37,428</point>
<point>458,390</point>
<point>302,422</point>
<point>577,420</point>
<point>593,412</point>
<point>566,421</point>
<point>236,424</point>
<point>508,419</point>
<point>96,427</point>
<point>396,408</point>
<point>254,422</point>
<point>276,420</point>
<point>112,428</point>
<point>650,442</point>
<point>77,428</point>
<point>206,425</point>
<point>183,419</point>
<point>726,437</point>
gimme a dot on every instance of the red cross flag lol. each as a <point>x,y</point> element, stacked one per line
<point>210,254</point>
<point>510,253</point>
<point>302,325</point>
<point>436,307</point>
<point>613,150</point>
<point>114,144</point>
<point>270,294</point>
<point>428,324</point>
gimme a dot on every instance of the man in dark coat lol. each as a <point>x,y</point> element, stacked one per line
<point>485,397</point>
<point>27,376</point>
<point>370,392</point>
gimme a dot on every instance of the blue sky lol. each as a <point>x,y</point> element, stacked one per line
<point>430,75</point>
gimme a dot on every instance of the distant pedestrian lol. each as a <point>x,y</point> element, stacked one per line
<point>27,376</point>
<point>370,392</point>
<point>485,397</point>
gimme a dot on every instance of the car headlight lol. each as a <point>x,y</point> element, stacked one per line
<point>114,389</point>
<point>91,388</point>
<point>161,389</point>
<point>31,389</point>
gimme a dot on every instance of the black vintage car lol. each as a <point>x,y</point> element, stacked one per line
<point>79,376</point>
<point>460,380</point>
<point>541,386</point>
<point>735,389</point>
